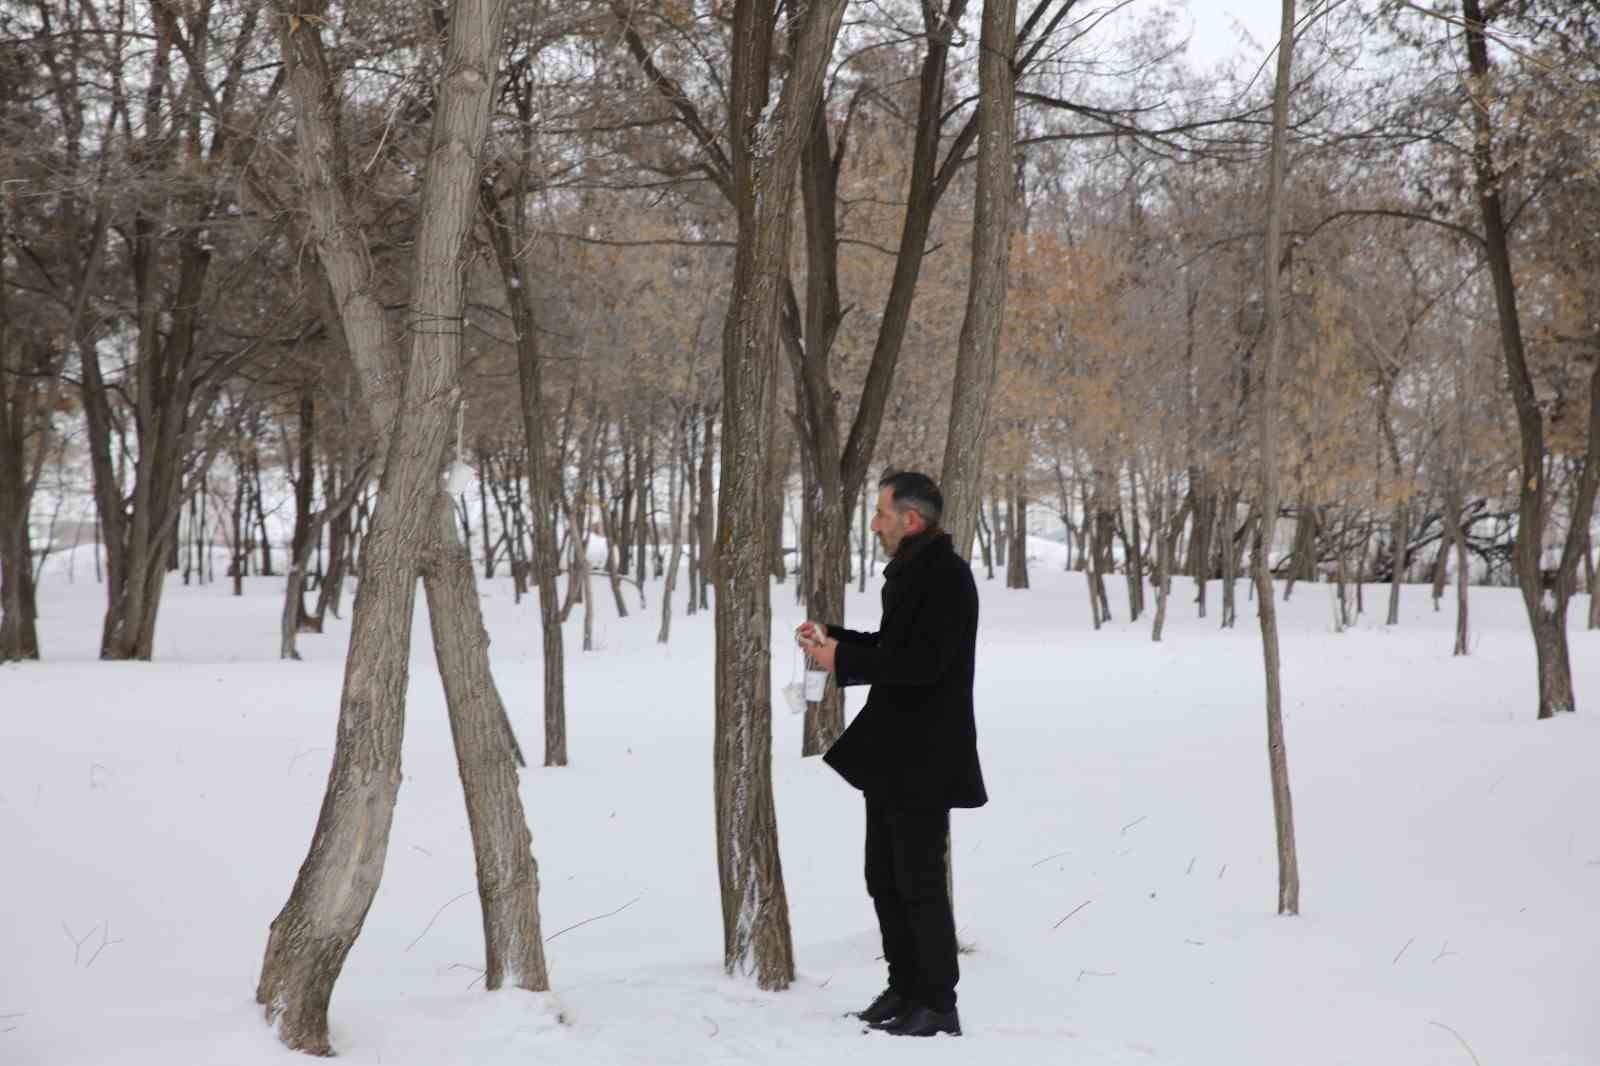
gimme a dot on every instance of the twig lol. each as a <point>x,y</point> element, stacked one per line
<point>1402,951</point>
<point>1073,911</point>
<point>425,851</point>
<point>105,942</point>
<point>1222,871</point>
<point>1460,1038</point>
<point>1047,858</point>
<point>1190,870</point>
<point>1094,973</point>
<point>1196,943</point>
<point>77,945</point>
<point>475,969</point>
<point>435,918</point>
<point>290,768</point>
<point>596,918</point>
<point>1444,952</point>
<point>715,1028</point>
<point>1133,823</point>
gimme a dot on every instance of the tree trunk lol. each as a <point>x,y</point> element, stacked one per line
<point>1544,595</point>
<point>1458,537</point>
<point>986,544</point>
<point>314,932</point>
<point>1165,545</point>
<point>979,340</point>
<point>1205,522</point>
<point>675,511</point>
<point>1267,399</point>
<point>1230,557</point>
<point>706,537</point>
<point>1017,564</point>
<point>520,296</point>
<point>1135,567</point>
<point>1594,588</point>
<point>487,757</point>
<point>294,619</point>
<point>767,139</point>
<point>997,531</point>
<point>1398,534</point>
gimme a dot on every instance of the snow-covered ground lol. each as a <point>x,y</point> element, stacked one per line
<point>153,816</point>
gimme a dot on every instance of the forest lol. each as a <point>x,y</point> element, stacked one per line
<point>630,303</point>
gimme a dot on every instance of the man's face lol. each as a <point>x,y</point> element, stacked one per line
<point>893,525</point>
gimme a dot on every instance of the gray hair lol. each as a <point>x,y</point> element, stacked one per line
<point>915,492</point>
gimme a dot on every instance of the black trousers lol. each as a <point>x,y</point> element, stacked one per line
<point>906,879</point>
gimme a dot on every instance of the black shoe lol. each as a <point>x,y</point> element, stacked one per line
<point>886,1008</point>
<point>920,1021</point>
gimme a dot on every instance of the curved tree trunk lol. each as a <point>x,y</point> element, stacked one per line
<point>487,756</point>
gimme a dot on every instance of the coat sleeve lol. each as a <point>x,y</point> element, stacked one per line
<point>853,636</point>
<point>916,655</point>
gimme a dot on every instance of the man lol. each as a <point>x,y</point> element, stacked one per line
<point>913,749</point>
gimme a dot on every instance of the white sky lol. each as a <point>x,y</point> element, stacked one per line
<point>1214,34</point>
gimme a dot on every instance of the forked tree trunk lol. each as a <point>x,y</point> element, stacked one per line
<point>313,933</point>
<point>1267,411</point>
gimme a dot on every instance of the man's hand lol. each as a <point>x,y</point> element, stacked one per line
<point>818,646</point>
<point>824,653</point>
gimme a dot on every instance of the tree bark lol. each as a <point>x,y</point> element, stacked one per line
<point>979,340</point>
<point>767,139</point>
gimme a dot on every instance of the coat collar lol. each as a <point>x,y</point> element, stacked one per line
<point>913,548</point>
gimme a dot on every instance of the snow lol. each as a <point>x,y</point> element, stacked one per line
<point>1449,852</point>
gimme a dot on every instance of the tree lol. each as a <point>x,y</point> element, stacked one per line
<point>767,136</point>
<point>1545,592</point>
<point>1267,402</point>
<point>413,524</point>
<point>986,286</point>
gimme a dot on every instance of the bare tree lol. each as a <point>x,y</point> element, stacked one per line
<point>1544,592</point>
<point>986,283</point>
<point>313,933</point>
<point>1267,403</point>
<point>767,136</point>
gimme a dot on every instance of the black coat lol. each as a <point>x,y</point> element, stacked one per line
<point>915,743</point>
